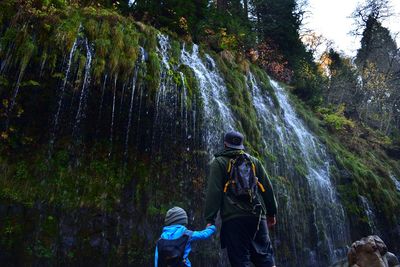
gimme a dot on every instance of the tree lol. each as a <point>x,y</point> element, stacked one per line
<point>377,10</point>
<point>176,15</point>
<point>378,61</point>
<point>343,85</point>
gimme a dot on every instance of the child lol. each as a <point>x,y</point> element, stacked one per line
<point>173,247</point>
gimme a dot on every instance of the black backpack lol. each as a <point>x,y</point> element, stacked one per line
<point>171,252</point>
<point>242,181</point>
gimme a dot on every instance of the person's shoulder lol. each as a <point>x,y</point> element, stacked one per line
<point>253,159</point>
<point>218,160</point>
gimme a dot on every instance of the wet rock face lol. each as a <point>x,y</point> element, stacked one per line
<point>371,251</point>
<point>393,152</point>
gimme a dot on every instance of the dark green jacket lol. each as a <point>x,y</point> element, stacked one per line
<point>217,200</point>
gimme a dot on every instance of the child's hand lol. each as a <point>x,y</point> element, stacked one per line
<point>211,227</point>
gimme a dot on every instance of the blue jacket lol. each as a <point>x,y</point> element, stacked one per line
<point>176,231</point>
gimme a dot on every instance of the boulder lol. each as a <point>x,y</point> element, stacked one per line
<point>369,251</point>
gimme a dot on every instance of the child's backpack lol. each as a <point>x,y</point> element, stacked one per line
<point>243,182</point>
<point>171,252</point>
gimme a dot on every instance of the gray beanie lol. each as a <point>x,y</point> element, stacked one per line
<point>176,215</point>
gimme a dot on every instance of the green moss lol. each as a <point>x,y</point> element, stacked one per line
<point>96,183</point>
<point>175,51</point>
<point>153,72</point>
<point>367,170</point>
<point>241,104</point>
<point>264,83</point>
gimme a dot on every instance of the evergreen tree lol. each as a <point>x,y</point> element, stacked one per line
<point>176,15</point>
<point>343,87</point>
<point>379,64</point>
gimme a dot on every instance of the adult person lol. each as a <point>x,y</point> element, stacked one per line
<point>245,221</point>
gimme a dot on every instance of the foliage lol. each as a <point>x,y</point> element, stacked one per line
<point>378,65</point>
<point>335,119</point>
<point>271,59</point>
<point>240,102</point>
<point>362,168</point>
<point>97,183</point>
<point>181,17</point>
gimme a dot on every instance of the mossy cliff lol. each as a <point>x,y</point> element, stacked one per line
<point>103,129</point>
<point>365,174</point>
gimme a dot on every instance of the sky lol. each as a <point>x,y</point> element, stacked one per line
<point>331,18</point>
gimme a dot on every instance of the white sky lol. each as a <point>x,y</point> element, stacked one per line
<point>331,18</point>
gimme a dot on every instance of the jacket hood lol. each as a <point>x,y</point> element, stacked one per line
<point>228,152</point>
<point>173,231</point>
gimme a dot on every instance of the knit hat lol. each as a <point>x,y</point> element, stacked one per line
<point>176,215</point>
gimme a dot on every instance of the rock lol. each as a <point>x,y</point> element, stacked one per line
<point>393,152</point>
<point>369,251</point>
<point>392,260</point>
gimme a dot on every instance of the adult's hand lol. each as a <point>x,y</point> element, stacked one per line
<point>271,221</point>
<point>208,224</point>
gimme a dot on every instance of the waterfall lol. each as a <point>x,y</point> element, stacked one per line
<point>395,181</point>
<point>113,115</point>
<point>328,213</point>
<point>166,94</point>
<point>162,136</point>
<point>369,212</point>
<point>184,111</point>
<point>163,49</point>
<point>172,113</point>
<point>81,113</point>
<point>218,118</point>
<point>14,96</point>
<point>134,80</point>
<point>287,138</point>
<point>61,97</point>
<point>121,103</point>
<point>101,104</point>
<point>273,131</point>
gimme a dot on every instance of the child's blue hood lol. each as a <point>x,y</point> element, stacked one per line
<point>173,231</point>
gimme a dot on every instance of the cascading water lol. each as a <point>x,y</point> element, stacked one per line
<point>61,97</point>
<point>184,111</point>
<point>101,103</point>
<point>217,115</point>
<point>395,181</point>
<point>113,114</point>
<point>292,143</point>
<point>164,135</point>
<point>134,80</point>
<point>370,214</point>
<point>81,112</point>
<point>275,136</point>
<point>166,97</point>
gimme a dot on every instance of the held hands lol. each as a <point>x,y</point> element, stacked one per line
<point>271,221</point>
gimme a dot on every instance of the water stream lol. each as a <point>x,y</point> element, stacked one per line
<point>218,117</point>
<point>288,139</point>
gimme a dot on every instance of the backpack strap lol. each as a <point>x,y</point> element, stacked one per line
<point>229,169</point>
<point>260,186</point>
<point>253,167</point>
<point>188,233</point>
